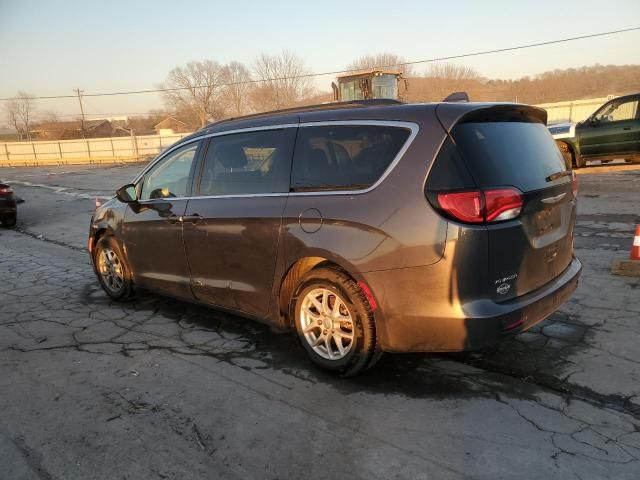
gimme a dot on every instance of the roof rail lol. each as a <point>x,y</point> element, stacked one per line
<point>377,102</point>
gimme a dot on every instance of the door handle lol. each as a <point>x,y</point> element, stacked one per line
<point>626,128</point>
<point>174,219</point>
<point>195,218</point>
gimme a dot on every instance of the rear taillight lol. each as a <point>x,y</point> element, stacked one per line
<point>502,204</point>
<point>5,190</point>
<point>464,206</point>
<point>482,206</point>
<point>574,184</point>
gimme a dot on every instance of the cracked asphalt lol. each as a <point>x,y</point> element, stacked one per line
<point>156,388</point>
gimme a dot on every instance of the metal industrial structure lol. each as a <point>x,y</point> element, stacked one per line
<point>367,85</point>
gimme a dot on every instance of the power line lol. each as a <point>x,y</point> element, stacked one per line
<point>337,72</point>
<point>501,90</point>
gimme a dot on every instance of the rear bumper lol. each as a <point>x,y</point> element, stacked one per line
<point>522,313</point>
<point>415,320</point>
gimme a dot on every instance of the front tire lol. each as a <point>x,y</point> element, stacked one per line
<point>567,153</point>
<point>334,321</point>
<point>113,274</point>
<point>10,220</point>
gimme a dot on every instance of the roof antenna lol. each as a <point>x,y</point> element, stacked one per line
<point>458,97</point>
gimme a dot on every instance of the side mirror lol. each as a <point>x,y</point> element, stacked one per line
<point>127,194</point>
<point>594,120</point>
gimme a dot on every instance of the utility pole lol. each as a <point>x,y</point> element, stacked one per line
<point>80,92</point>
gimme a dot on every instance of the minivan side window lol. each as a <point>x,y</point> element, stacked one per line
<point>344,157</point>
<point>248,163</point>
<point>171,177</point>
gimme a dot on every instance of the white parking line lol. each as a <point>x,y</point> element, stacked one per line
<point>61,190</point>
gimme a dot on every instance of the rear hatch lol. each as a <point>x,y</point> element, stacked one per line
<point>509,149</point>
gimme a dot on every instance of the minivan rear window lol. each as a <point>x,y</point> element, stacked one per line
<point>518,154</point>
<point>344,157</point>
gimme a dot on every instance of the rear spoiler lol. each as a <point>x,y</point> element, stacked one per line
<point>451,114</point>
<point>457,97</point>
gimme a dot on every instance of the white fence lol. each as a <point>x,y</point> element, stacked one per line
<point>91,150</point>
<point>573,111</point>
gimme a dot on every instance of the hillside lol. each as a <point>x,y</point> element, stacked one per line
<point>553,86</point>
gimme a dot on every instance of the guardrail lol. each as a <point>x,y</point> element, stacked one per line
<point>83,151</point>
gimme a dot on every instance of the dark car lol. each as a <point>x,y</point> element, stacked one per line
<point>612,131</point>
<point>8,207</point>
<point>366,228</point>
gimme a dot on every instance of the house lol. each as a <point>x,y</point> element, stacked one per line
<point>171,125</point>
<point>73,129</point>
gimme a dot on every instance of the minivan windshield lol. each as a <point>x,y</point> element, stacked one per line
<point>518,154</point>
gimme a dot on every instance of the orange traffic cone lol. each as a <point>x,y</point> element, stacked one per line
<point>97,203</point>
<point>635,247</point>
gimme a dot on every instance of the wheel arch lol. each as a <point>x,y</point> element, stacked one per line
<point>97,233</point>
<point>295,272</point>
<point>572,147</point>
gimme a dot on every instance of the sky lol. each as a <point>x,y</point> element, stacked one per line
<point>52,47</point>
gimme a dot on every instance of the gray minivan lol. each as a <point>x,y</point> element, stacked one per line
<point>366,226</point>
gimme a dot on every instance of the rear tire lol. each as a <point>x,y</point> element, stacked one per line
<point>334,322</point>
<point>113,273</point>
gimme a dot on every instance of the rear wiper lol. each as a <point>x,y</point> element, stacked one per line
<point>557,175</point>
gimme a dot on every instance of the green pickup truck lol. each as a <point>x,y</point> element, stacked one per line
<point>611,132</point>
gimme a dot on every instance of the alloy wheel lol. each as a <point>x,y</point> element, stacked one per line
<point>327,324</point>
<point>110,268</point>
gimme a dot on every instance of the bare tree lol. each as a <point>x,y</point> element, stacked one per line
<point>236,91</point>
<point>19,111</point>
<point>283,83</point>
<point>11,110</point>
<point>197,88</point>
<point>442,79</point>
<point>49,116</point>
<point>382,60</point>
<point>450,71</point>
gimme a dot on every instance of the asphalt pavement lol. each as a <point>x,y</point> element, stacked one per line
<point>157,388</point>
